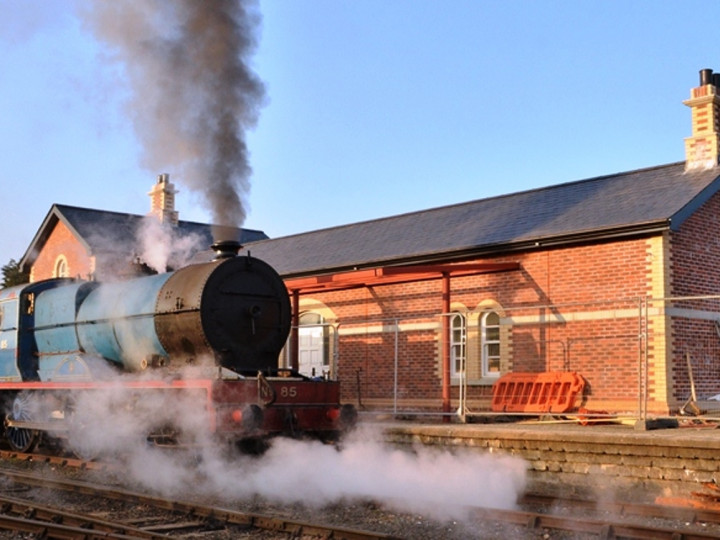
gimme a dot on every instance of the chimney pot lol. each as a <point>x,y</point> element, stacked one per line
<point>706,77</point>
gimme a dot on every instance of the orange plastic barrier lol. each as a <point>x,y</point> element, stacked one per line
<point>545,392</point>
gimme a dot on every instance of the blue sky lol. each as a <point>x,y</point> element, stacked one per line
<point>374,107</point>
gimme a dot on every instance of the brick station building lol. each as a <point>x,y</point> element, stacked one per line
<point>101,245</point>
<point>611,277</point>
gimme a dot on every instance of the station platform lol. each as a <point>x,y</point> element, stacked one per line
<point>670,457</point>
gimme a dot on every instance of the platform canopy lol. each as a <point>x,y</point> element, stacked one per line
<point>392,275</point>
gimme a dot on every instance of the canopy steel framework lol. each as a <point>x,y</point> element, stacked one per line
<point>391,275</point>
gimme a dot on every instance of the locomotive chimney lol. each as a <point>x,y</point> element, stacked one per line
<point>225,249</point>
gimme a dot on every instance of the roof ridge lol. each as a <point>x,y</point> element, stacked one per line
<point>475,201</point>
<point>59,206</point>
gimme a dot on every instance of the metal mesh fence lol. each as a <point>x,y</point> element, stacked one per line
<point>635,355</point>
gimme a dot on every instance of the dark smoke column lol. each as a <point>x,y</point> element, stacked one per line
<point>193,95</point>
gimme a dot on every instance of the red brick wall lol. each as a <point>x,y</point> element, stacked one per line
<point>695,259</point>
<point>695,270</point>
<point>62,242</point>
<point>586,281</point>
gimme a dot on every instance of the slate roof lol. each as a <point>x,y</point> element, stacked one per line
<point>104,232</point>
<point>636,202</point>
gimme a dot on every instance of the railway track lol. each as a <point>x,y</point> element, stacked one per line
<point>162,518</point>
<point>137,515</point>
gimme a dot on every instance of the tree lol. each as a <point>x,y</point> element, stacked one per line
<point>12,274</point>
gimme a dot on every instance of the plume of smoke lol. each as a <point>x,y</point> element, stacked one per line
<point>193,92</point>
<point>437,484</point>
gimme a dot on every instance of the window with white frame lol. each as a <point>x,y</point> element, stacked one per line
<point>313,346</point>
<point>490,343</point>
<point>457,344</point>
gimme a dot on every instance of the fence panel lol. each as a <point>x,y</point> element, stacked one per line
<point>683,353</point>
<point>390,364</point>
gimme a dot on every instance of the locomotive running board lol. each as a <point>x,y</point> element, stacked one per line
<point>39,426</point>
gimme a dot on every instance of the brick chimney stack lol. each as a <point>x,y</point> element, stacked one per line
<point>702,149</point>
<point>162,200</point>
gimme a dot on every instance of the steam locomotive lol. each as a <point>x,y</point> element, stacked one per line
<point>209,333</point>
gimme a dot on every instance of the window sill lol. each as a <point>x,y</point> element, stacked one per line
<point>485,381</point>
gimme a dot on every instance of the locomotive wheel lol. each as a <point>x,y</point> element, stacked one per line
<point>22,439</point>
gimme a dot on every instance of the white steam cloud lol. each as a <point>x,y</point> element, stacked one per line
<point>437,484</point>
<point>162,248</point>
<point>431,482</point>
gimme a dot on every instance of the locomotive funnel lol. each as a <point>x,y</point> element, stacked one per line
<point>225,249</point>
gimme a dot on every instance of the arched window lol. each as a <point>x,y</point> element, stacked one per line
<point>457,344</point>
<point>490,343</point>
<point>61,267</point>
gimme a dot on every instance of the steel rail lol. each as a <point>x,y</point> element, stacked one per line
<point>13,508</point>
<point>48,529</point>
<point>603,528</point>
<point>662,511</point>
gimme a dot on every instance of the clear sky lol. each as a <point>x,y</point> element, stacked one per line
<point>374,107</point>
